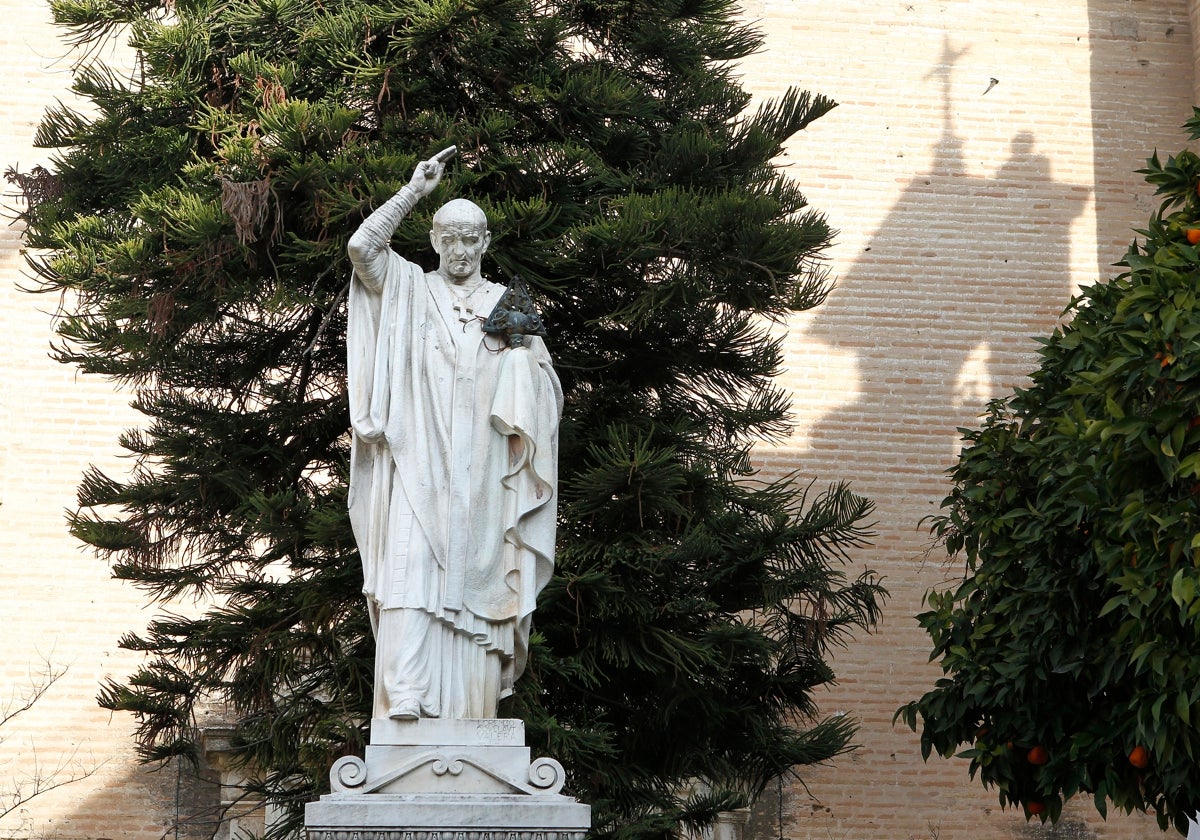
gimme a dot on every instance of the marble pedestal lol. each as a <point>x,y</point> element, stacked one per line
<point>432,779</point>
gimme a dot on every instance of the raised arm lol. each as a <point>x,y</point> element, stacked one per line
<point>368,247</point>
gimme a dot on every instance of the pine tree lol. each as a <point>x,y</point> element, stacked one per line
<point>199,216</point>
<point>1071,649</point>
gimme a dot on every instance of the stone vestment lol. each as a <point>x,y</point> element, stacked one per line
<point>456,532</point>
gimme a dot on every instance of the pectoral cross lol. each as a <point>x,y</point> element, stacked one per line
<point>464,311</point>
<point>462,304</point>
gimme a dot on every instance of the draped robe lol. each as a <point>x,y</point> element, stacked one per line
<point>455,524</point>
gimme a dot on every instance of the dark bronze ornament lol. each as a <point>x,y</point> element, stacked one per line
<point>515,316</point>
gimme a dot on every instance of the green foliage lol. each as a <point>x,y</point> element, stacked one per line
<point>1076,508</point>
<point>201,227</point>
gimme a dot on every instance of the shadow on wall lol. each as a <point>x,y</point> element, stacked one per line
<point>172,801</point>
<point>935,316</point>
<point>938,313</point>
<point>176,800</point>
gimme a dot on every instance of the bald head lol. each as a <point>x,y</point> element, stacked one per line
<point>460,237</point>
<point>460,211</point>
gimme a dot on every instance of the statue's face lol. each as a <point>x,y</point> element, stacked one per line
<point>461,242</point>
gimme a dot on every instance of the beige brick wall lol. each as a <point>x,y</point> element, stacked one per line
<point>57,603</point>
<point>966,219</point>
<point>967,216</point>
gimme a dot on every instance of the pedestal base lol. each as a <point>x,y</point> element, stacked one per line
<point>446,780</point>
<point>462,817</point>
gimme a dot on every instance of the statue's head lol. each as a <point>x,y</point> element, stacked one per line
<point>460,237</point>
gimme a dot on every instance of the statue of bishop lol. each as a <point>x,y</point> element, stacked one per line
<point>453,469</point>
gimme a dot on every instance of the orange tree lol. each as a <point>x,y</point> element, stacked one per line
<point>1071,647</point>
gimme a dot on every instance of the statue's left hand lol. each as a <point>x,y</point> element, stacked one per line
<point>428,173</point>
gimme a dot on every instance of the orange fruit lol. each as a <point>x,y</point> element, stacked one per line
<point>1036,808</point>
<point>1037,755</point>
<point>1193,235</point>
<point>1139,757</point>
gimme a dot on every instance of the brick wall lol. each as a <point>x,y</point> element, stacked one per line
<point>57,603</point>
<point>967,215</point>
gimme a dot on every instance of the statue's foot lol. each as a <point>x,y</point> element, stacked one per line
<point>409,709</point>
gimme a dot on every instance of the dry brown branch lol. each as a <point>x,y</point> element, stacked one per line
<point>37,185</point>
<point>247,203</point>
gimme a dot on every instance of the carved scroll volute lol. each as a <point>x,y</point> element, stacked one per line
<point>547,775</point>
<point>347,773</point>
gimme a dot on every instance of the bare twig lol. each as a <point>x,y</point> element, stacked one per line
<point>42,777</point>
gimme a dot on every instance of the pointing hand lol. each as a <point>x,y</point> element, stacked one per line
<point>428,173</point>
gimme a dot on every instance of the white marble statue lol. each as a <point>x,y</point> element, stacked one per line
<point>453,483</point>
